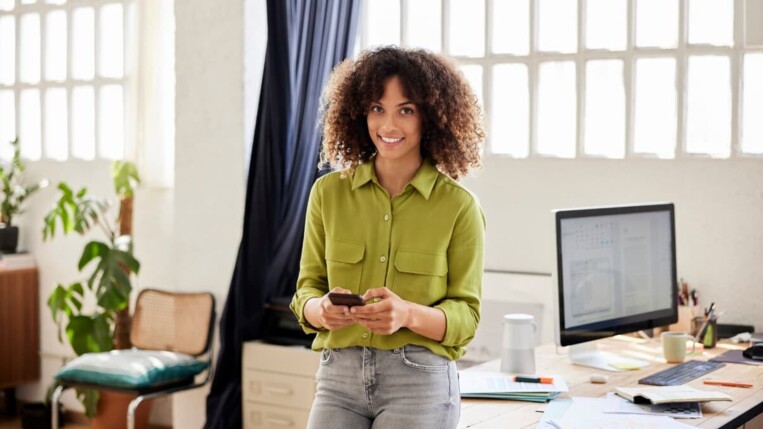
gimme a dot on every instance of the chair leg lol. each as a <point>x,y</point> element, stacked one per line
<point>54,406</point>
<point>131,409</point>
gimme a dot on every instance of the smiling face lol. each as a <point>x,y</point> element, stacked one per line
<point>394,124</point>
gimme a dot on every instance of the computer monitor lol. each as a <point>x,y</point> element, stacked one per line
<point>616,273</point>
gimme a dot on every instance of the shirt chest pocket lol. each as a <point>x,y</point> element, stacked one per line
<point>344,263</point>
<point>421,277</point>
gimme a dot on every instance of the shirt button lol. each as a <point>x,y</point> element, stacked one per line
<point>383,259</point>
<point>365,335</point>
<point>386,217</point>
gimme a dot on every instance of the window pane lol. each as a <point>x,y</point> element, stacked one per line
<point>29,51</point>
<point>473,74</point>
<point>55,1</point>
<point>655,112</point>
<point>55,45</point>
<point>56,124</point>
<point>511,27</point>
<point>7,50</point>
<point>111,122</point>
<point>557,109</point>
<point>6,5</point>
<point>606,22</point>
<point>83,43</point>
<point>753,16</point>
<point>711,22</point>
<point>657,23</point>
<point>558,26</point>
<point>605,109</point>
<point>382,22</point>
<point>28,1</point>
<point>29,114</point>
<point>7,122</point>
<point>752,104</point>
<point>510,115</point>
<point>424,24</point>
<point>467,28</point>
<point>83,122</point>
<point>708,106</point>
<point>112,41</point>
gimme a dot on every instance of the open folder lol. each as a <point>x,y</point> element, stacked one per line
<point>477,384</point>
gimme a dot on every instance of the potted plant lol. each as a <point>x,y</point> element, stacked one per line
<point>109,263</point>
<point>14,193</point>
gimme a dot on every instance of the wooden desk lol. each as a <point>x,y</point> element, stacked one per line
<point>747,404</point>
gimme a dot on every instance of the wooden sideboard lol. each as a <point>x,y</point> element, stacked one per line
<point>19,327</point>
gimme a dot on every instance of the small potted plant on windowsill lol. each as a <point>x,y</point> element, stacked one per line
<point>12,196</point>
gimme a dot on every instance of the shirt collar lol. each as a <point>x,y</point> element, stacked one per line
<point>423,181</point>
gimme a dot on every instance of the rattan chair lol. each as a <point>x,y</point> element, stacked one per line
<point>164,321</point>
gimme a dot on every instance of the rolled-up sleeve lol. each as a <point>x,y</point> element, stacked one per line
<point>312,281</point>
<point>465,265</point>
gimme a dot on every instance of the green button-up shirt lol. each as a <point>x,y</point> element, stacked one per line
<point>426,245</point>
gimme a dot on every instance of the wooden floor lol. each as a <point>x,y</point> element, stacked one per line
<point>15,423</point>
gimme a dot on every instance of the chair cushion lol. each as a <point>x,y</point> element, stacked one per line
<point>130,369</point>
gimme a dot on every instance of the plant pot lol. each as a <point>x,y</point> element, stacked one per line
<point>112,411</point>
<point>9,239</point>
<point>36,415</point>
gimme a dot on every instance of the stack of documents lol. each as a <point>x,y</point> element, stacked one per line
<point>476,384</point>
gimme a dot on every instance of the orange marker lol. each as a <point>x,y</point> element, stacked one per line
<point>524,379</point>
<point>727,383</point>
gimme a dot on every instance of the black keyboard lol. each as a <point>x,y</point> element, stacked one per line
<point>681,374</point>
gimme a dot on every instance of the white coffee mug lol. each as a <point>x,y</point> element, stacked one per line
<point>674,346</point>
<point>518,347</point>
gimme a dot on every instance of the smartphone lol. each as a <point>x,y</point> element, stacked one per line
<point>348,299</point>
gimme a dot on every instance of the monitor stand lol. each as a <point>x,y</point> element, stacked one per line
<point>587,354</point>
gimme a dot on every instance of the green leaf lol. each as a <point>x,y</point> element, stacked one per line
<point>56,303</point>
<point>126,178</point>
<point>93,250</point>
<point>81,331</point>
<point>89,398</point>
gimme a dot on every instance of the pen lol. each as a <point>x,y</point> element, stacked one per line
<point>727,383</point>
<point>524,379</point>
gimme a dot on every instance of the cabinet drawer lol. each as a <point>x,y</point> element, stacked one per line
<point>267,416</point>
<point>288,360</point>
<point>279,389</point>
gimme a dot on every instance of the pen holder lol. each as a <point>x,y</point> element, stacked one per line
<point>709,335</point>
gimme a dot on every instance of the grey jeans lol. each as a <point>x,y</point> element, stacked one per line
<point>362,387</point>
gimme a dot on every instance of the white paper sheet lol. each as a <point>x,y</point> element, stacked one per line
<point>497,382</point>
<point>587,413</point>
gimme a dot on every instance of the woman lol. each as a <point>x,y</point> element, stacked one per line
<point>393,225</point>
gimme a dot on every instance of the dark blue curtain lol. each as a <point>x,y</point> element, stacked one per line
<point>306,39</point>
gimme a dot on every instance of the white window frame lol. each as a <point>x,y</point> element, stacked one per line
<point>681,54</point>
<point>97,82</point>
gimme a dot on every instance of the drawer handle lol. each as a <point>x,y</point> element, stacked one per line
<point>278,390</point>
<point>283,421</point>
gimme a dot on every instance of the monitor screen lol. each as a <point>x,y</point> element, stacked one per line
<point>615,270</point>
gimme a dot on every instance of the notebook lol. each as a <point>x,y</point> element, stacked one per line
<point>669,394</point>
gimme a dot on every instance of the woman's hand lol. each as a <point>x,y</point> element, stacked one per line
<point>386,316</point>
<point>321,313</point>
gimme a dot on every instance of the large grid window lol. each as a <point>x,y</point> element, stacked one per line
<point>63,85</point>
<point>597,78</point>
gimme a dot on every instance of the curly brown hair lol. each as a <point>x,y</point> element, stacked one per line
<point>452,130</point>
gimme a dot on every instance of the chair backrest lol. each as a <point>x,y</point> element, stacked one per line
<point>173,321</point>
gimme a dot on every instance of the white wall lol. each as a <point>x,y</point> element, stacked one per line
<point>719,217</point>
<point>209,150</point>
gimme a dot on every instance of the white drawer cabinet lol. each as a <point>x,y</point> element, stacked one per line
<point>278,385</point>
